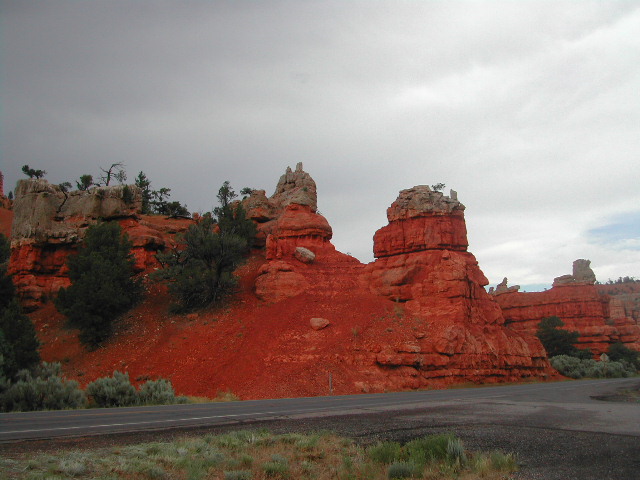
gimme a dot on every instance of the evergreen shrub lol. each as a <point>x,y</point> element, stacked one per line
<point>102,284</point>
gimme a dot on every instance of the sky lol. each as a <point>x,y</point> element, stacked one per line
<point>530,110</point>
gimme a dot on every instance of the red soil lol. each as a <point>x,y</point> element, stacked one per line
<point>248,347</point>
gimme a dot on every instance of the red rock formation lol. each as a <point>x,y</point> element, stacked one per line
<point>423,264</point>
<point>599,317</point>
<point>416,317</point>
<point>289,221</point>
<point>49,224</point>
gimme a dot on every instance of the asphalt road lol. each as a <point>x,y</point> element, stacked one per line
<point>559,406</point>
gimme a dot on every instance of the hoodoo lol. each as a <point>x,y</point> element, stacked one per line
<point>423,265</point>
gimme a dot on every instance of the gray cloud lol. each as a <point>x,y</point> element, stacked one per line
<point>528,109</point>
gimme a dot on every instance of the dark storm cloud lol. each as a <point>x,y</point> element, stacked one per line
<point>528,109</point>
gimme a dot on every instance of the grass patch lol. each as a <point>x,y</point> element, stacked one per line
<point>261,455</point>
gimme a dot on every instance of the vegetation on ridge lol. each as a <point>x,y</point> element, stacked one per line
<point>200,268</point>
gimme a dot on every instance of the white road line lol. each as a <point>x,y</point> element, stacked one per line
<point>138,423</point>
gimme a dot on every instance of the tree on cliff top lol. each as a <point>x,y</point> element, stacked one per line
<point>200,271</point>
<point>32,172</point>
<point>156,201</point>
<point>102,284</point>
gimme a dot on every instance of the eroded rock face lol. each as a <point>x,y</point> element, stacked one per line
<point>421,219</point>
<point>599,317</point>
<point>290,224</point>
<point>49,225</point>
<point>290,212</point>
<point>423,264</point>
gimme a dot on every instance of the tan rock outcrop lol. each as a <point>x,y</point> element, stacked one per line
<point>49,224</point>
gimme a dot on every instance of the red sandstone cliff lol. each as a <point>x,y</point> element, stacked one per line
<point>600,316</point>
<point>49,224</point>
<point>416,317</point>
<point>423,264</point>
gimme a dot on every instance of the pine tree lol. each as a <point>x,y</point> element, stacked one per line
<point>555,340</point>
<point>201,273</point>
<point>20,341</point>
<point>6,285</point>
<point>102,284</point>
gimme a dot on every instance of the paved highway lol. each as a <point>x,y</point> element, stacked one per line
<point>559,405</point>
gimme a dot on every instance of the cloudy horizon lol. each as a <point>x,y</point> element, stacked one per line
<point>529,110</point>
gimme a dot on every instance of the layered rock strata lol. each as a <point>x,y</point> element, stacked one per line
<point>49,223</point>
<point>601,318</point>
<point>293,233</point>
<point>423,265</point>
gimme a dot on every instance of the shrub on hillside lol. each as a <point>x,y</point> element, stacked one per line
<point>102,283</point>
<point>44,389</point>
<point>19,345</point>
<point>114,391</point>
<point>158,392</point>
<point>117,391</point>
<point>620,352</point>
<point>573,367</point>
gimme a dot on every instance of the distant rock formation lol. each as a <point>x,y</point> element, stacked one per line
<point>421,219</point>
<point>582,274</point>
<point>503,287</point>
<point>288,222</point>
<point>599,317</point>
<point>5,203</point>
<point>289,217</point>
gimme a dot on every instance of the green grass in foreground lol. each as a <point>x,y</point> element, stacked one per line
<point>257,455</point>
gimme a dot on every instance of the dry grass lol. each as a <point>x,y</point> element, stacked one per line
<point>256,455</point>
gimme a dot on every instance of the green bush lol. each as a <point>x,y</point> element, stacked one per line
<point>19,344</point>
<point>555,340</point>
<point>428,449</point>
<point>385,452</point>
<point>402,470</point>
<point>276,469</point>
<point>102,284</point>
<point>157,392</point>
<point>620,352</point>
<point>115,391</point>
<point>576,368</point>
<point>455,452</point>
<point>44,389</point>
<point>201,273</point>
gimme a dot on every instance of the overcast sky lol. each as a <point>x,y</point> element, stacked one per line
<point>530,110</point>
